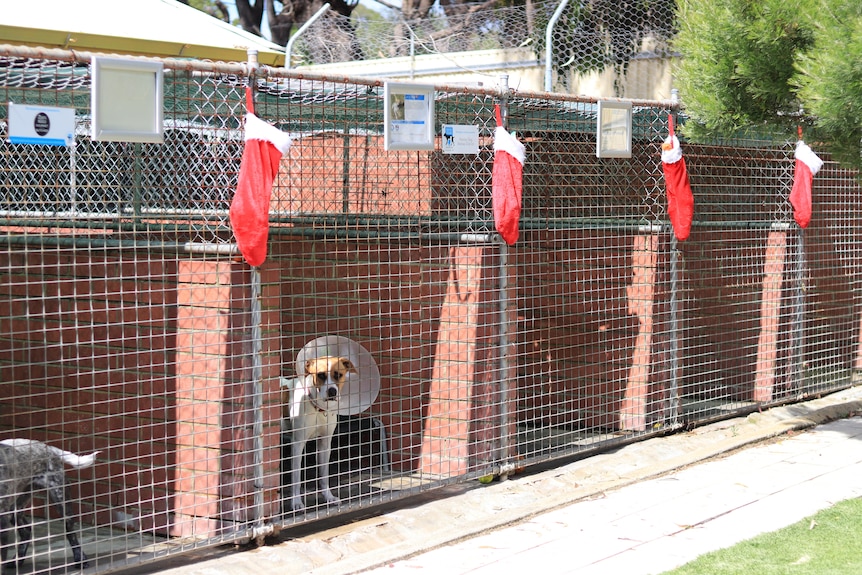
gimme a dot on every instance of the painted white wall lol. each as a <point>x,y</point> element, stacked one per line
<point>648,77</point>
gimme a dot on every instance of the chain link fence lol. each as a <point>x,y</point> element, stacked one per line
<point>134,330</point>
<point>589,47</point>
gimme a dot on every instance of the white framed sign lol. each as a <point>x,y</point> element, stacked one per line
<point>614,129</point>
<point>408,116</point>
<point>41,125</point>
<point>127,100</point>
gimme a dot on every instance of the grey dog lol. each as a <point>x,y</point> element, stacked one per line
<point>26,466</point>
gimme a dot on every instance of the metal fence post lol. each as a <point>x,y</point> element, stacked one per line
<point>259,529</point>
<point>288,51</point>
<point>673,392</point>
<point>797,364</point>
<point>505,440</point>
<point>549,42</point>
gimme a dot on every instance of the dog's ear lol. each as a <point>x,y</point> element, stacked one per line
<point>348,365</point>
<point>309,364</point>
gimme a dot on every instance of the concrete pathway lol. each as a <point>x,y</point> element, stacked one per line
<point>656,525</point>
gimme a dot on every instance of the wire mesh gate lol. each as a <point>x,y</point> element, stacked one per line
<point>132,329</point>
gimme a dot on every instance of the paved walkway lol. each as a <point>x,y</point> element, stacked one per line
<point>662,523</point>
<point>641,509</point>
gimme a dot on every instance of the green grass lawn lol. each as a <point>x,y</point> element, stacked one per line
<point>829,543</point>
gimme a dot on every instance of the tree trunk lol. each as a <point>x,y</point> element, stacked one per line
<point>250,15</point>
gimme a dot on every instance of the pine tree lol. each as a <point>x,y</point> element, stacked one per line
<point>737,65</point>
<point>829,78</point>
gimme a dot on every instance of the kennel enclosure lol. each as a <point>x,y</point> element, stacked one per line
<point>132,326</point>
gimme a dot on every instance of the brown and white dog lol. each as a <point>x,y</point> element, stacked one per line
<point>311,413</point>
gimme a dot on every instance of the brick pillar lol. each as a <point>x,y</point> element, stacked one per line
<point>203,300</point>
<point>445,438</point>
<point>770,315</point>
<point>493,421</point>
<point>463,428</point>
<point>641,301</point>
<point>213,478</point>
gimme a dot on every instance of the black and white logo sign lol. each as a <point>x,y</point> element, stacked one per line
<point>41,124</point>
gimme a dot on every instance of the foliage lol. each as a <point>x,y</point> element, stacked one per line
<point>828,542</point>
<point>772,65</point>
<point>829,78</point>
<point>738,63</point>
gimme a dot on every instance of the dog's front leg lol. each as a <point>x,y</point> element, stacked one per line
<point>297,445</point>
<point>324,450</point>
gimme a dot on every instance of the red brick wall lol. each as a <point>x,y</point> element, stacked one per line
<point>427,316</point>
<point>587,302</point>
<point>87,359</point>
<point>334,174</point>
<point>381,298</point>
<point>145,359</point>
<point>724,272</point>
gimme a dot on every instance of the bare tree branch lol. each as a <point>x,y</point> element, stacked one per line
<point>221,7</point>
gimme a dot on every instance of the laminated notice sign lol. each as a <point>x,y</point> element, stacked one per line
<point>460,139</point>
<point>41,125</point>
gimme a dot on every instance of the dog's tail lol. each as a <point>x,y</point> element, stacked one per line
<point>71,459</point>
<point>76,461</point>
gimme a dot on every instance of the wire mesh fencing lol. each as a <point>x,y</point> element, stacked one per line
<point>391,343</point>
<point>587,47</point>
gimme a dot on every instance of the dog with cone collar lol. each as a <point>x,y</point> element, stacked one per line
<point>311,413</point>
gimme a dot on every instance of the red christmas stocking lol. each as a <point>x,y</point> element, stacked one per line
<point>680,201</point>
<point>507,181</point>
<point>249,210</point>
<point>807,166</point>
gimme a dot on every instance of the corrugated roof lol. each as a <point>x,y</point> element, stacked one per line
<point>163,28</point>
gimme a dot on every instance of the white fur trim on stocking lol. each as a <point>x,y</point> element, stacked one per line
<point>674,152</point>
<point>806,155</point>
<point>257,129</point>
<point>506,142</point>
